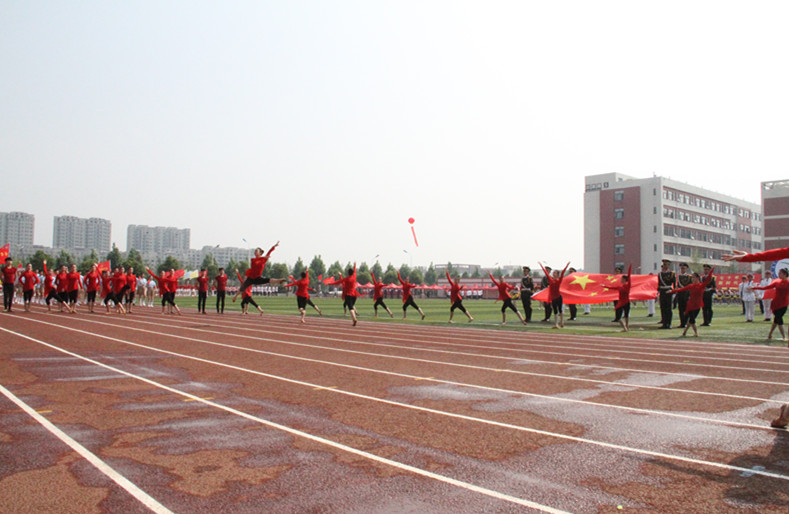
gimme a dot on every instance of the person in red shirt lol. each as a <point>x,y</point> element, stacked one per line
<point>246,297</point>
<point>73,285</point>
<point>165,282</point>
<point>456,297</point>
<point>9,280</point>
<point>302,294</point>
<point>780,302</point>
<point>408,298</point>
<point>554,292</point>
<point>172,289</point>
<point>61,284</point>
<point>131,289</point>
<point>202,290</point>
<point>770,255</point>
<point>220,282</point>
<point>378,296</point>
<point>695,301</point>
<point>92,284</point>
<point>256,266</point>
<point>106,289</point>
<point>623,304</point>
<point>504,296</point>
<point>349,292</point>
<point>29,280</point>
<point>50,291</point>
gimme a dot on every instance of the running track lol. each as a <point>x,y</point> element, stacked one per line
<point>211,414</point>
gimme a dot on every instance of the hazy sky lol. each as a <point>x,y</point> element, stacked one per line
<point>328,124</point>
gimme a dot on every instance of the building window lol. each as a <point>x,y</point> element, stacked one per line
<point>619,231</point>
<point>619,196</point>
<point>619,249</point>
<point>619,214</point>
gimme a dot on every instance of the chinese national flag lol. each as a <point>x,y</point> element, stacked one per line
<point>103,266</point>
<point>4,251</point>
<point>591,288</point>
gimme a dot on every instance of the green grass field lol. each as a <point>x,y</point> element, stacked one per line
<point>728,324</point>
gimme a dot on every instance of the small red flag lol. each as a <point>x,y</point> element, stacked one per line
<point>179,273</point>
<point>4,251</point>
<point>103,266</point>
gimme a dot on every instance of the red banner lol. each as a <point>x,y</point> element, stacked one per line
<point>4,251</point>
<point>104,266</point>
<point>591,288</point>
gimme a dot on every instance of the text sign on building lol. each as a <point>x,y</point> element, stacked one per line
<point>596,187</point>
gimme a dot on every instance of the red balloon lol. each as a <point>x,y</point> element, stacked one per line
<point>411,221</point>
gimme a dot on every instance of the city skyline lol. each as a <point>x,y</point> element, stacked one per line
<point>328,126</point>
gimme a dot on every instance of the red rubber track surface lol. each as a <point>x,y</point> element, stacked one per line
<point>249,413</point>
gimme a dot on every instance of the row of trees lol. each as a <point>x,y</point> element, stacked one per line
<point>316,267</point>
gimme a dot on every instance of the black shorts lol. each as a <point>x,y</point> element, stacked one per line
<point>73,296</point>
<point>349,302</point>
<point>410,301</point>
<point>556,305</point>
<point>779,316</point>
<point>692,316</point>
<point>457,305</point>
<point>301,301</point>
<point>130,297</point>
<point>27,294</point>
<point>623,311</point>
<point>380,302</point>
<point>91,296</point>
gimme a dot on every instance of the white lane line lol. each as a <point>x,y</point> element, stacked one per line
<point>405,467</point>
<point>462,384</point>
<point>323,337</point>
<point>441,363</point>
<point>520,428</point>
<point>99,464</point>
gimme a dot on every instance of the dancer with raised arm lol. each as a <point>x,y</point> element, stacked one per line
<point>254,274</point>
<point>504,296</point>
<point>9,281</point>
<point>349,292</point>
<point>778,304</point>
<point>73,285</point>
<point>408,298</point>
<point>378,296</point>
<point>164,281</point>
<point>554,284</point>
<point>246,297</point>
<point>456,297</point>
<point>302,294</point>
<point>29,280</point>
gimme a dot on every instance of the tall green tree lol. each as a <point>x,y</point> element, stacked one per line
<point>317,267</point>
<point>115,257</point>
<point>279,270</point>
<point>405,271</point>
<point>210,265</point>
<point>38,258</point>
<point>64,259</point>
<point>87,262</point>
<point>298,268</point>
<point>477,273</point>
<point>416,277</point>
<point>334,269</point>
<point>378,270</point>
<point>430,275</point>
<point>390,275</point>
<point>169,263</point>
<point>134,261</point>
<point>363,277</point>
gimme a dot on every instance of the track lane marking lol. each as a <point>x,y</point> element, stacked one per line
<point>576,439</point>
<point>292,431</point>
<point>97,463</point>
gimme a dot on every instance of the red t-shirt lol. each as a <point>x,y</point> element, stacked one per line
<point>503,288</point>
<point>29,280</point>
<point>221,282</point>
<point>202,284</point>
<point>118,282</point>
<point>73,281</point>
<point>9,274</point>
<point>131,281</point>
<point>781,299</point>
<point>454,294</point>
<point>406,288</point>
<point>92,281</point>
<point>61,279</point>
<point>302,286</point>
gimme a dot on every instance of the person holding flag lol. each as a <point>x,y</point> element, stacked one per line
<point>349,292</point>
<point>9,281</point>
<point>554,293</point>
<point>29,279</point>
<point>254,273</point>
<point>378,296</point>
<point>776,254</point>
<point>456,297</point>
<point>302,294</point>
<point>623,304</point>
<point>504,296</point>
<point>695,299</point>
<point>408,298</point>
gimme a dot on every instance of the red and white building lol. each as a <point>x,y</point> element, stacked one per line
<point>643,221</point>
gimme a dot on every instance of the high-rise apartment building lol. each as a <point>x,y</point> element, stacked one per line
<point>81,233</point>
<point>642,221</point>
<point>16,228</point>
<point>157,240</point>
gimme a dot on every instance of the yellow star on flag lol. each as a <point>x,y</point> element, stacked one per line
<point>582,280</point>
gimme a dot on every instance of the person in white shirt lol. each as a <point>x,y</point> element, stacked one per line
<point>748,297</point>
<point>766,302</point>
